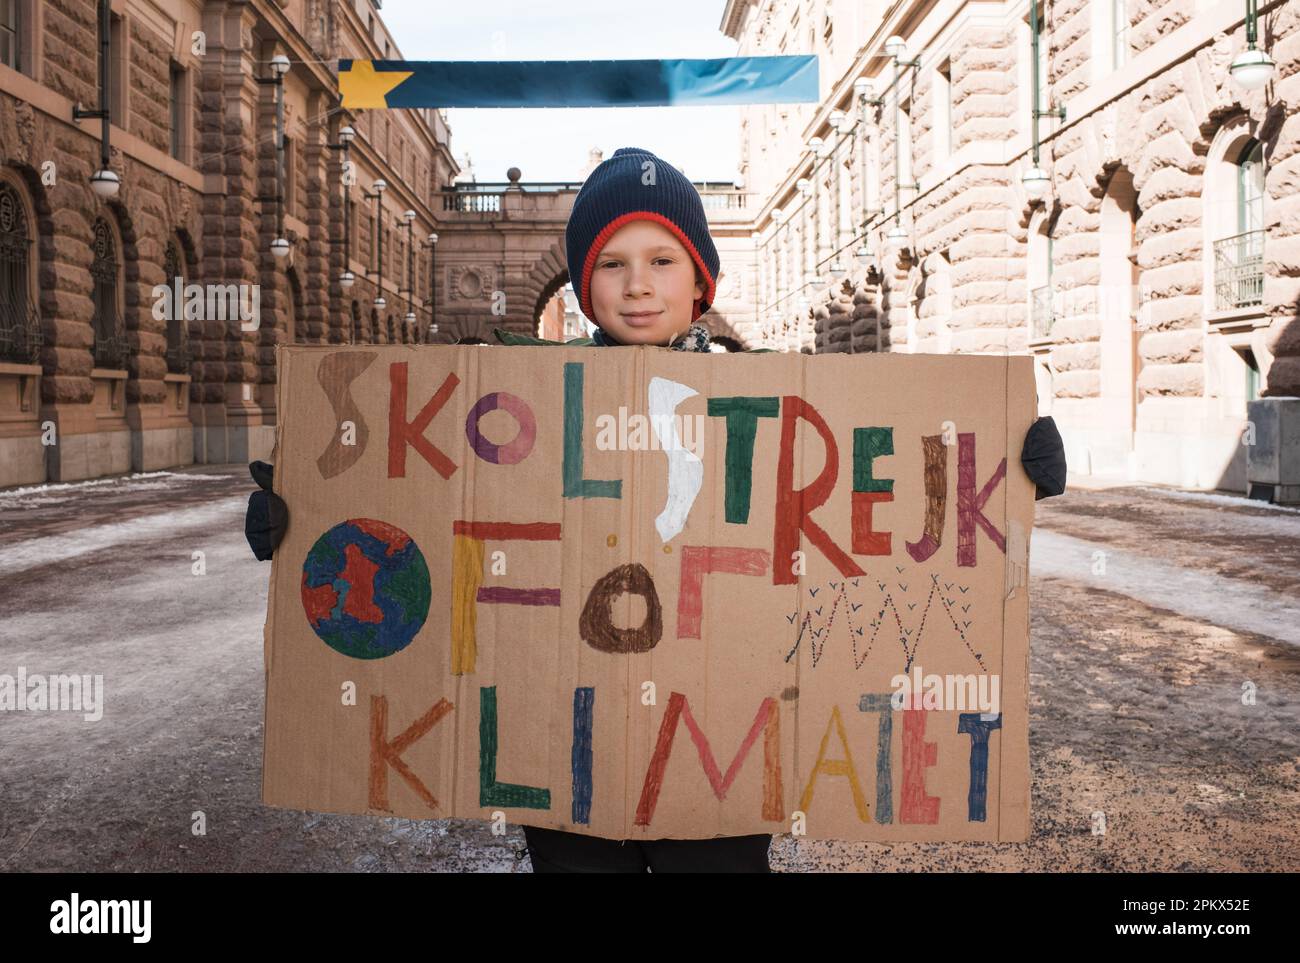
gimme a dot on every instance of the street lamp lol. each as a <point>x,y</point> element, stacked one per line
<point>376,194</point>
<point>1036,183</point>
<point>1035,179</point>
<point>1252,68</point>
<point>408,217</point>
<point>896,238</point>
<point>346,136</point>
<point>104,182</point>
<point>433,283</point>
<point>279,65</point>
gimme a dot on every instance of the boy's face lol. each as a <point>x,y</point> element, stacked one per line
<point>644,285</point>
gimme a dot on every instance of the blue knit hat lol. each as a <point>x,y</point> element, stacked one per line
<point>633,185</point>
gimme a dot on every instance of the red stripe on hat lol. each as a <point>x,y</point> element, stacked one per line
<point>584,291</point>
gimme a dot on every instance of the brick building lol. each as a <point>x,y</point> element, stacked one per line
<point>1156,281</point>
<point>96,376</point>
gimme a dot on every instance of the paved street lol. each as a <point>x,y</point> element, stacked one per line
<point>1139,656</point>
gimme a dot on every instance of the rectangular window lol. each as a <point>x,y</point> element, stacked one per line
<point>179,112</point>
<point>290,178</point>
<point>1119,14</point>
<point>118,61</point>
<point>10,55</point>
<point>1042,65</point>
<point>352,232</point>
<point>943,112</point>
<point>904,134</point>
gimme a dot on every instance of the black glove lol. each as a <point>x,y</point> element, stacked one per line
<point>267,515</point>
<point>1043,456</point>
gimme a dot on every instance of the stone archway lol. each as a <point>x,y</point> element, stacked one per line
<point>549,274</point>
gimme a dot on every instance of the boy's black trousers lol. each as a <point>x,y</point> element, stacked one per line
<point>553,851</point>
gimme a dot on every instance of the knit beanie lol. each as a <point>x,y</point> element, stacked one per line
<point>632,185</point>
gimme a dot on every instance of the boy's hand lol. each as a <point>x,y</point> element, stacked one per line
<point>267,516</point>
<point>1043,456</point>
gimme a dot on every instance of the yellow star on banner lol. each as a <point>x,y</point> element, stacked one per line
<point>363,87</point>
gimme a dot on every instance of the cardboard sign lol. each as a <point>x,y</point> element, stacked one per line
<point>640,593</point>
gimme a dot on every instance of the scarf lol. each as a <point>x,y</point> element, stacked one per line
<point>695,338</point>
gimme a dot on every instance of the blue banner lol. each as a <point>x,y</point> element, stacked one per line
<point>577,83</point>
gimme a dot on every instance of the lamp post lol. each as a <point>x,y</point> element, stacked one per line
<point>346,136</point>
<point>104,182</point>
<point>896,47</point>
<point>376,194</point>
<point>1252,68</point>
<point>862,88</point>
<point>408,219</point>
<point>433,285</point>
<point>279,67</point>
<point>1035,179</point>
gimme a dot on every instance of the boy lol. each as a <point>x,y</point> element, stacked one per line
<point>645,269</point>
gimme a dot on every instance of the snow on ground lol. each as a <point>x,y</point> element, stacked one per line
<point>55,492</point>
<point>1232,603</point>
<point>1216,498</point>
<point>163,529</point>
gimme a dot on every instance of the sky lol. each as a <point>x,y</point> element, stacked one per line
<point>552,144</point>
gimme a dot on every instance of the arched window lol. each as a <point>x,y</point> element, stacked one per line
<point>107,321</point>
<point>1234,199</point>
<point>1039,275</point>
<point>178,342</point>
<point>374,326</point>
<point>1250,188</point>
<point>20,326</point>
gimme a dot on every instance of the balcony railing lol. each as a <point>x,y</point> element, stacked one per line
<point>723,200</point>
<point>485,197</point>
<point>1239,271</point>
<point>471,201</point>
<point>20,333</point>
<point>1040,313</point>
<point>179,357</point>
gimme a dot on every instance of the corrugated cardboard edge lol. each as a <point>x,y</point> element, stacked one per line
<point>281,379</point>
<point>1014,777</point>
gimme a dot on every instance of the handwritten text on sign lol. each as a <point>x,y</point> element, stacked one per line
<point>556,571</point>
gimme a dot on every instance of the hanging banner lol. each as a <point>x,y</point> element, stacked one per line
<point>372,84</point>
<point>638,593</point>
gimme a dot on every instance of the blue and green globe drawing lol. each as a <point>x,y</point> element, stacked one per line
<point>365,588</point>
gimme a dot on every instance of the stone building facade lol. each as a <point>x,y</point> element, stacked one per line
<point>1157,282</point>
<point>95,377</point>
